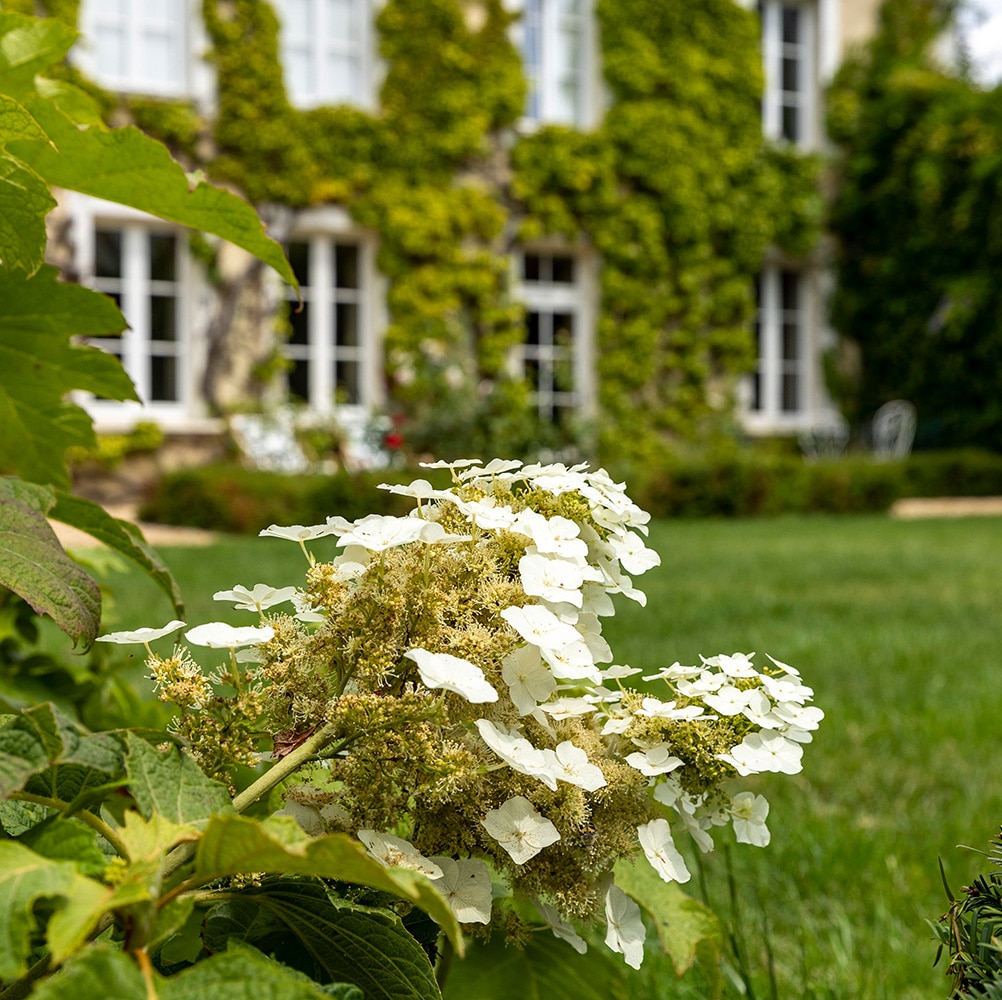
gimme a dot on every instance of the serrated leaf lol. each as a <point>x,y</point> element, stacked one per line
<point>42,751</point>
<point>337,940</point>
<point>39,365</point>
<point>67,840</point>
<point>26,878</point>
<point>119,535</point>
<point>546,969</point>
<point>232,845</point>
<point>25,200</point>
<point>172,784</point>
<point>125,166</point>
<point>686,927</point>
<point>34,566</point>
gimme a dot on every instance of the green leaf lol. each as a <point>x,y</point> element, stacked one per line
<point>332,940</point>
<point>104,973</point>
<point>172,784</point>
<point>546,969</point>
<point>72,101</point>
<point>99,973</point>
<point>34,566</point>
<point>125,166</point>
<point>119,535</point>
<point>67,840</point>
<point>17,123</point>
<point>42,752</point>
<point>39,365</point>
<point>25,879</point>
<point>25,200</point>
<point>28,45</point>
<point>233,845</point>
<point>687,928</point>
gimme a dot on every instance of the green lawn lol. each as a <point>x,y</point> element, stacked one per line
<point>896,626</point>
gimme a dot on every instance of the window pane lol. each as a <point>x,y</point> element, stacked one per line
<point>345,265</point>
<point>789,289</point>
<point>791,75</point>
<point>341,24</point>
<point>532,328</point>
<point>343,74</point>
<point>346,324</point>
<point>162,11</point>
<point>531,267</point>
<point>346,381</point>
<point>111,49</point>
<point>298,20</point>
<point>563,270</point>
<point>163,379</point>
<point>299,321</point>
<point>299,257</point>
<point>756,391</point>
<point>791,392</point>
<point>563,332</point>
<point>791,123</point>
<point>299,380</point>
<point>791,24</point>
<point>163,318</point>
<point>163,257</point>
<point>159,58</point>
<point>108,253</point>
<point>791,341</point>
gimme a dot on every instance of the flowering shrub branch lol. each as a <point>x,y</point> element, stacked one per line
<point>442,692</point>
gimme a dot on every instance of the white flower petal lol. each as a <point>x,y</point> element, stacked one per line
<point>220,635</point>
<point>625,931</point>
<point>520,829</point>
<point>655,839</point>
<point>141,634</point>
<point>442,670</point>
<point>466,885</point>
<point>395,852</point>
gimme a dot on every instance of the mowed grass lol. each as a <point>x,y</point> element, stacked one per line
<point>896,626</point>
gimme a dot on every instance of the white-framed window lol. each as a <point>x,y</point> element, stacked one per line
<point>143,268</point>
<point>138,46</point>
<point>554,358</point>
<point>327,51</point>
<point>330,344</point>
<point>789,54</point>
<point>556,43</point>
<point>779,387</point>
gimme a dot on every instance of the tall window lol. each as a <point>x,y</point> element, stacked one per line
<point>140,269</point>
<point>326,344</point>
<point>549,357</point>
<point>791,86</point>
<point>779,381</point>
<point>325,51</point>
<point>137,45</point>
<point>555,47</point>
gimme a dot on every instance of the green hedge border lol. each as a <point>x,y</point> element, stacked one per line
<point>229,498</point>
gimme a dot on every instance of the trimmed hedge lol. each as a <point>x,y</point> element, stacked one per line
<point>742,484</point>
<point>243,501</point>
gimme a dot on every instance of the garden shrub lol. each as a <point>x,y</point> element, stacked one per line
<point>243,501</point>
<point>728,484</point>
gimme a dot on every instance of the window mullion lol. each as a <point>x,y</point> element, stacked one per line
<point>321,324</point>
<point>771,347</point>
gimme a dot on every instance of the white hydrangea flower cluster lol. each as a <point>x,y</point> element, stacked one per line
<point>549,716</point>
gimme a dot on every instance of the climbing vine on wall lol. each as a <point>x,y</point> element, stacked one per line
<point>675,191</point>
<point>918,225</point>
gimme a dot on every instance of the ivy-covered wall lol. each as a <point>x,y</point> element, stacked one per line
<point>676,191</point>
